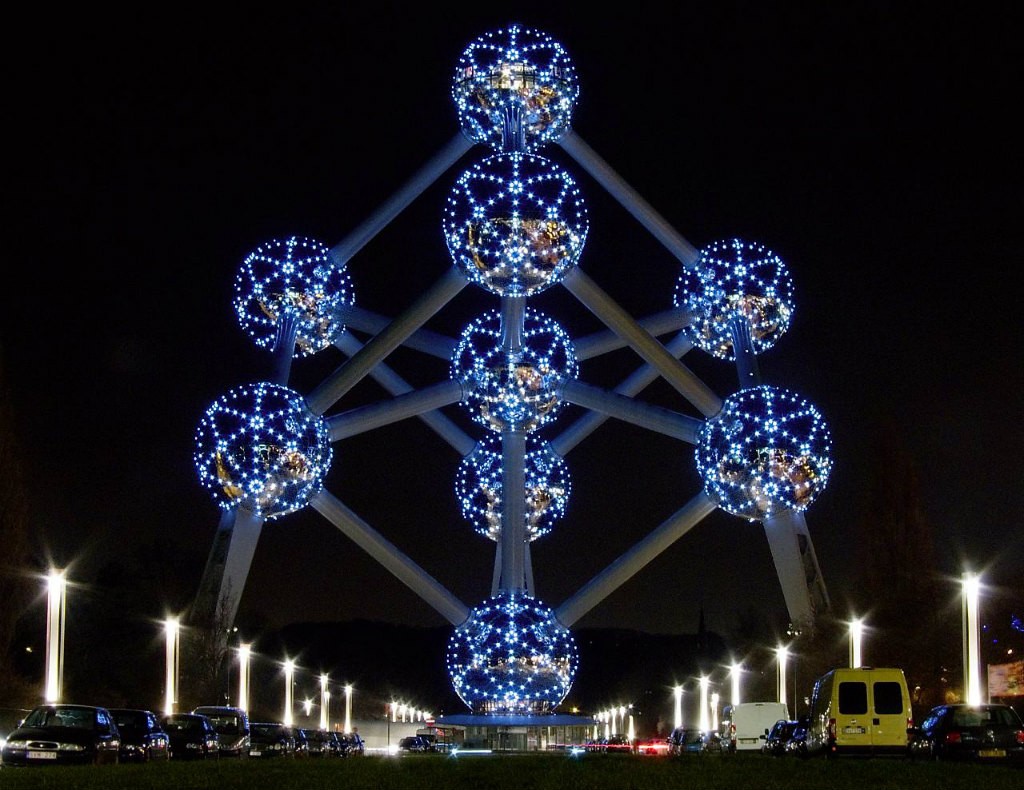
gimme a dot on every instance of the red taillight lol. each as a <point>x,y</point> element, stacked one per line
<point>732,730</point>
<point>952,737</point>
<point>832,729</point>
<point>1019,735</point>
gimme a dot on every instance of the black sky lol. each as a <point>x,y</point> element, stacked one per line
<point>873,147</point>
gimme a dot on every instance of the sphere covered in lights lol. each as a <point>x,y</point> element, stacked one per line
<point>261,447</point>
<point>765,452</point>
<point>732,281</point>
<point>515,224</point>
<point>512,656</point>
<point>297,280</point>
<point>518,83</point>
<point>514,390</point>
<point>479,483</point>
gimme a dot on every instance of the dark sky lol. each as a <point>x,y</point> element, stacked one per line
<point>874,148</point>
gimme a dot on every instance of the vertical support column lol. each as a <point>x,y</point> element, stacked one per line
<point>746,357</point>
<point>513,510</point>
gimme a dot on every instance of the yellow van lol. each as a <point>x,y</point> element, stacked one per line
<point>863,710</point>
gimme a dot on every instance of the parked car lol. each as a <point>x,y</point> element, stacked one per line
<point>270,739</point>
<point>143,738</point>
<point>657,747</point>
<point>413,743</point>
<point>618,744</point>
<point>796,746</point>
<point>321,743</point>
<point>988,733</point>
<point>689,740</point>
<point>301,741</point>
<point>63,734</point>
<point>778,736</point>
<point>232,726</point>
<point>193,736</point>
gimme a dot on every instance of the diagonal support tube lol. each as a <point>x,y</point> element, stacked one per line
<point>654,418</point>
<point>388,555</point>
<point>657,324</point>
<point>411,404</point>
<point>622,569</point>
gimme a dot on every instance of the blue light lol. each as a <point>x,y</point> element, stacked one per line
<point>516,73</point>
<point>509,390</point>
<point>512,656</point>
<point>261,447</point>
<point>515,224</point>
<point>295,278</point>
<point>479,483</point>
<point>736,280</point>
<point>765,452</point>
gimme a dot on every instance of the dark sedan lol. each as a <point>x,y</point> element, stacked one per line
<point>988,733</point>
<point>775,742</point>
<point>193,736</point>
<point>63,735</point>
<point>142,737</point>
<point>271,739</point>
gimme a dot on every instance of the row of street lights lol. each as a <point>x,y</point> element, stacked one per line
<point>615,716</point>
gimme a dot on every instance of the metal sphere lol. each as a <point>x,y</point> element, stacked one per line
<point>515,74</point>
<point>261,447</point>
<point>293,279</point>
<point>478,487</point>
<point>515,224</point>
<point>513,390</point>
<point>512,656</point>
<point>734,280</point>
<point>765,452</point>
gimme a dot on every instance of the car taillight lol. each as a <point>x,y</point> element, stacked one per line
<point>732,731</point>
<point>832,729</point>
<point>952,737</point>
<point>1019,735</point>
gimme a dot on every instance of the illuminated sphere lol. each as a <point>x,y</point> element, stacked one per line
<point>515,224</point>
<point>512,656</point>
<point>515,74</point>
<point>478,487</point>
<point>736,280</point>
<point>513,391</point>
<point>261,447</point>
<point>765,452</point>
<point>295,277</point>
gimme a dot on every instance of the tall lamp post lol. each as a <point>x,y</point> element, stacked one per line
<point>677,712</point>
<point>783,656</point>
<point>856,637</point>
<point>714,711</point>
<point>172,631</point>
<point>972,653</point>
<point>55,614</point>
<point>325,701</point>
<point>703,722</point>
<point>348,708</point>
<point>289,676</point>
<point>244,654</point>
<point>735,671</point>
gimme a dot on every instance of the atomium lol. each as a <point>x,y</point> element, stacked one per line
<point>513,390</point>
<point>515,224</point>
<point>515,82</point>
<point>479,483</point>
<point>512,656</point>
<point>261,447</point>
<point>766,451</point>
<point>733,281</point>
<point>297,279</point>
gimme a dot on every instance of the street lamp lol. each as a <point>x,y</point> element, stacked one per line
<point>325,701</point>
<point>972,662</point>
<point>783,655</point>
<point>289,675</point>
<point>348,708</point>
<point>244,654</point>
<point>714,711</point>
<point>703,716</point>
<point>856,634</point>
<point>677,713</point>
<point>734,672</point>
<point>172,631</point>
<point>55,614</point>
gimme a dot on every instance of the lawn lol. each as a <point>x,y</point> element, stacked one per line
<point>526,772</point>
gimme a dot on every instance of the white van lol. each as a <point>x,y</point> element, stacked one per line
<point>747,724</point>
<point>863,710</point>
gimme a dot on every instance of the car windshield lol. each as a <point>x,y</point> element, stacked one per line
<point>183,725</point>
<point>61,716</point>
<point>130,720</point>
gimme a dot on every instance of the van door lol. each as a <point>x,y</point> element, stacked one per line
<point>889,719</point>
<point>853,724</point>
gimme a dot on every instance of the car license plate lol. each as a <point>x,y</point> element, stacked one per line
<point>853,730</point>
<point>254,752</point>
<point>991,753</point>
<point>42,755</point>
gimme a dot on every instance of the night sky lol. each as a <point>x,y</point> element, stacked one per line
<point>873,148</point>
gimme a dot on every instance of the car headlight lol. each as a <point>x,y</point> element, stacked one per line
<point>70,747</point>
<point>17,744</point>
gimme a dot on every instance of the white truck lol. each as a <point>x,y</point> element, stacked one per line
<point>745,725</point>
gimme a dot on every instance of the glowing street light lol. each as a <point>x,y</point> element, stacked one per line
<point>735,671</point>
<point>289,675</point>
<point>714,711</point>
<point>172,631</point>
<point>55,614</point>
<point>856,634</point>
<point>677,713</point>
<point>325,701</point>
<point>348,708</point>
<point>783,656</point>
<point>972,662</point>
<point>244,655</point>
<point>703,716</point>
